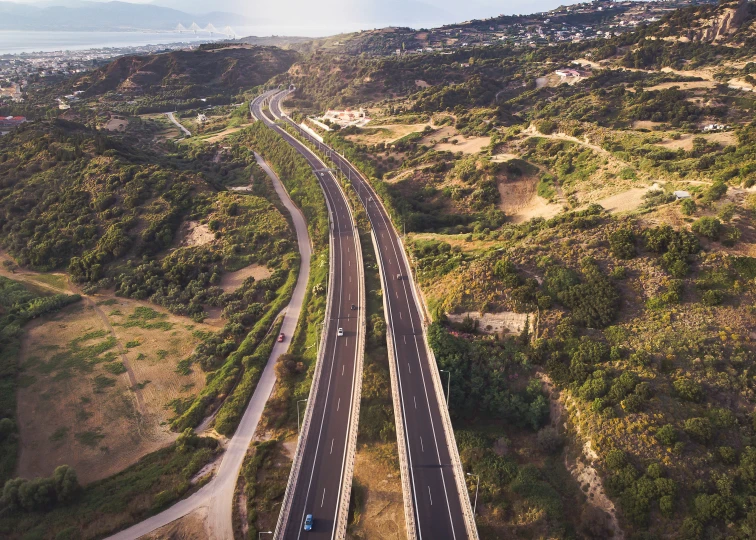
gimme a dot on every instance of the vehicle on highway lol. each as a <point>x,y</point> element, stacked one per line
<point>340,332</point>
<point>398,276</point>
<point>308,522</point>
<point>281,337</point>
<point>354,307</point>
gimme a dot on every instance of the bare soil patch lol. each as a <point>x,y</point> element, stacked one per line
<point>683,85</point>
<point>646,124</point>
<point>223,134</point>
<point>194,233</point>
<point>685,142</point>
<point>80,363</point>
<point>189,527</point>
<point>233,280</point>
<point>625,201</point>
<point>382,515</point>
<point>496,323</point>
<point>520,201</point>
<point>471,145</point>
<point>116,123</point>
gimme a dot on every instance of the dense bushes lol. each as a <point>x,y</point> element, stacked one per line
<point>481,374</point>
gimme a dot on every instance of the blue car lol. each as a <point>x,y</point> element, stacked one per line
<point>308,522</point>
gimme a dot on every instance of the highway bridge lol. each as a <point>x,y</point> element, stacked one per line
<point>437,505</point>
<point>321,477</point>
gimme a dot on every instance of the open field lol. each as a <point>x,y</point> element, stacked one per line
<point>466,145</point>
<point>685,142</point>
<point>108,369</point>
<point>378,134</point>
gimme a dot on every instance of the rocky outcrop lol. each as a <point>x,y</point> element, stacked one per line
<point>726,21</point>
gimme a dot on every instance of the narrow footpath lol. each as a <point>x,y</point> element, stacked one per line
<point>217,496</point>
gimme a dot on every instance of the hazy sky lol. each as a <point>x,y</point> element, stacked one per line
<point>321,17</point>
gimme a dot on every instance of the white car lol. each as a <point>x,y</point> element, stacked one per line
<point>340,332</point>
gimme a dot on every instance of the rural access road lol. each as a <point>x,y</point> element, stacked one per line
<point>218,494</point>
<point>179,125</point>
<point>441,509</point>
<point>321,481</point>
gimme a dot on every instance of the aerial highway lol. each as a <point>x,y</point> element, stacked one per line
<point>320,482</point>
<point>441,508</point>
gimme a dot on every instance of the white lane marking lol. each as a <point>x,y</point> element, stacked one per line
<point>422,446</point>
<point>415,400</point>
<point>350,279</point>
<point>322,501</point>
<point>400,314</point>
<point>431,496</point>
<point>409,368</point>
<point>405,339</point>
<point>338,405</point>
<point>346,342</point>
<point>332,445</point>
<point>342,368</point>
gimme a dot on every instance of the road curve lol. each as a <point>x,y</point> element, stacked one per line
<point>441,508</point>
<point>317,486</point>
<point>218,494</point>
<point>179,125</point>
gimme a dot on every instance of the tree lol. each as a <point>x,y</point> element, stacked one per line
<point>66,483</point>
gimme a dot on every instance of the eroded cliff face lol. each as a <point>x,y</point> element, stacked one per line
<point>723,24</point>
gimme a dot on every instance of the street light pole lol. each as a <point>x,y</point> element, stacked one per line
<point>448,385</point>
<point>477,485</point>
<point>298,402</point>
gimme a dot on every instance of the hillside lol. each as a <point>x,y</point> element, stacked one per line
<point>203,73</point>
<point>581,220</point>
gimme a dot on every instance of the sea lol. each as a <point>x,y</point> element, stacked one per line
<point>14,42</point>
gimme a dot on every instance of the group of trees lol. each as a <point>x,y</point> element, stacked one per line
<point>41,494</point>
<point>482,375</point>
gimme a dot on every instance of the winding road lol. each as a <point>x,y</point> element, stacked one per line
<point>172,118</point>
<point>218,494</point>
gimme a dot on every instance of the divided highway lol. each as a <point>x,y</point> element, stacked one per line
<point>440,505</point>
<point>320,482</point>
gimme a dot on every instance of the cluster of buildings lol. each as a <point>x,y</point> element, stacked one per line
<point>602,19</point>
<point>19,70</point>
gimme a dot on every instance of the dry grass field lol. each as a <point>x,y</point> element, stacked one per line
<point>96,385</point>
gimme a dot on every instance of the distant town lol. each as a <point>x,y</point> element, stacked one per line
<point>17,71</point>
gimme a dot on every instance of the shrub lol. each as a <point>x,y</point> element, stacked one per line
<point>699,429</point>
<point>688,389</point>
<point>688,207</point>
<point>712,297</point>
<point>666,435</point>
<point>708,227</point>
<point>622,244</point>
